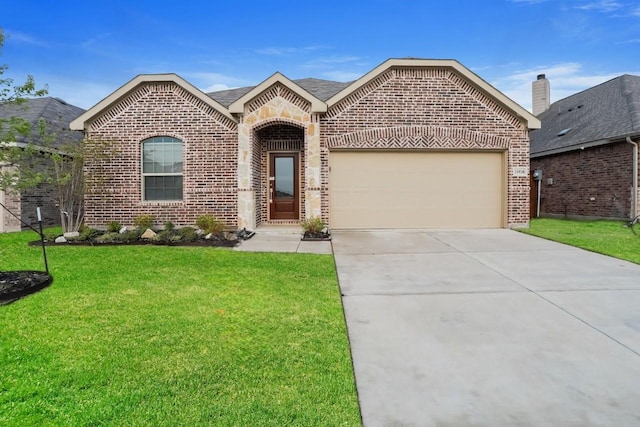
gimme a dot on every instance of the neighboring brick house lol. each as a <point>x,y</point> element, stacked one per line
<point>587,150</point>
<point>57,114</point>
<point>414,143</point>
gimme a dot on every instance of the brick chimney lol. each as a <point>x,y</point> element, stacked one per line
<point>540,93</point>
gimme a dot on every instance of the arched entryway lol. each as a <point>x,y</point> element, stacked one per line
<point>279,176</point>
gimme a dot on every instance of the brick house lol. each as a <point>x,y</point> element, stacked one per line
<point>587,150</point>
<point>414,143</point>
<point>57,114</point>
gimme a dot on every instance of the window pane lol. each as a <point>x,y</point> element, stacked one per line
<point>284,176</point>
<point>162,155</point>
<point>163,188</point>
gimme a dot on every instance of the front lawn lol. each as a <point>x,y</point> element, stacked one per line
<point>152,335</point>
<point>613,238</point>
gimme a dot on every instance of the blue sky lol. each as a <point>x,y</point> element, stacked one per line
<point>84,50</point>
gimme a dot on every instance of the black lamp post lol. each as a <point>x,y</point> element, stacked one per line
<point>44,251</point>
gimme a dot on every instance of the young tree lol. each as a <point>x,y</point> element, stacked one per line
<point>44,156</point>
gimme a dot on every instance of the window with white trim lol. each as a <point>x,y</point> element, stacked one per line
<point>162,168</point>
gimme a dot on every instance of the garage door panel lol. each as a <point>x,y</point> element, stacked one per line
<point>416,190</point>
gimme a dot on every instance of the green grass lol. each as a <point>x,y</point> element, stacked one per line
<point>613,238</point>
<point>152,336</point>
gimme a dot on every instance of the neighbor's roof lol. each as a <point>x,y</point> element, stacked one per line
<point>600,115</point>
<point>56,112</point>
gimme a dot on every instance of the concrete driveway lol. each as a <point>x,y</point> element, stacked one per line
<point>489,328</point>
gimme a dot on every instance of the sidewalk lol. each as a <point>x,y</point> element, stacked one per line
<point>278,238</point>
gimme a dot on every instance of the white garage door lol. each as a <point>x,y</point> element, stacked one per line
<point>416,189</point>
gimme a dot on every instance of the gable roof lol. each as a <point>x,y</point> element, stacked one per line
<point>80,122</point>
<point>317,105</point>
<point>320,93</point>
<point>605,113</point>
<point>56,112</point>
<point>464,72</point>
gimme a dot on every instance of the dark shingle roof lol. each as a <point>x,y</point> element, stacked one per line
<point>607,112</point>
<point>57,113</point>
<point>321,89</point>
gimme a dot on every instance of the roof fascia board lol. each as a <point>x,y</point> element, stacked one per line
<point>80,122</point>
<point>317,106</point>
<point>532,121</point>
<point>576,147</point>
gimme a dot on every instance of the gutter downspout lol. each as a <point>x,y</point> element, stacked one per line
<point>634,207</point>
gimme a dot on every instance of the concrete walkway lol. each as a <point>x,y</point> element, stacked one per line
<point>282,239</point>
<point>489,328</point>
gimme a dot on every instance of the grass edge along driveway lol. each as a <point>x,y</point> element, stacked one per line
<point>613,238</point>
<point>148,335</point>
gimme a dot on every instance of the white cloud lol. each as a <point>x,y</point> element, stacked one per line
<point>529,1</point>
<point>282,51</point>
<point>94,40</point>
<point>342,76</point>
<point>14,36</point>
<point>83,94</point>
<point>601,6</point>
<point>212,82</point>
<point>565,78</point>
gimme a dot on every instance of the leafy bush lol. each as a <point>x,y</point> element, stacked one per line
<point>144,221</point>
<point>89,233</point>
<point>168,226</point>
<point>313,225</point>
<point>129,236</point>
<point>114,227</point>
<point>189,234</point>
<point>109,237</point>
<point>210,224</point>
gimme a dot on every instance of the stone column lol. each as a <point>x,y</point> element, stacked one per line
<point>246,194</point>
<point>313,197</point>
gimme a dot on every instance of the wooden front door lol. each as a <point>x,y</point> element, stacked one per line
<point>283,186</point>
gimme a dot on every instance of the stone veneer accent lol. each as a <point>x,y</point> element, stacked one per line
<point>402,108</point>
<point>277,106</point>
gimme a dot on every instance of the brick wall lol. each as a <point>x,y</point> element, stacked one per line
<point>210,158</point>
<point>25,204</point>
<point>594,182</point>
<point>418,108</point>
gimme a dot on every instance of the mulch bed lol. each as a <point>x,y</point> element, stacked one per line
<point>320,236</point>
<point>202,242</point>
<point>17,284</point>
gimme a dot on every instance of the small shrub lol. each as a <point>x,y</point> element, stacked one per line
<point>128,236</point>
<point>189,234</point>
<point>114,227</point>
<point>144,221</point>
<point>168,226</point>
<point>109,237</point>
<point>210,224</point>
<point>89,233</point>
<point>167,236</point>
<point>51,236</point>
<point>313,225</point>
